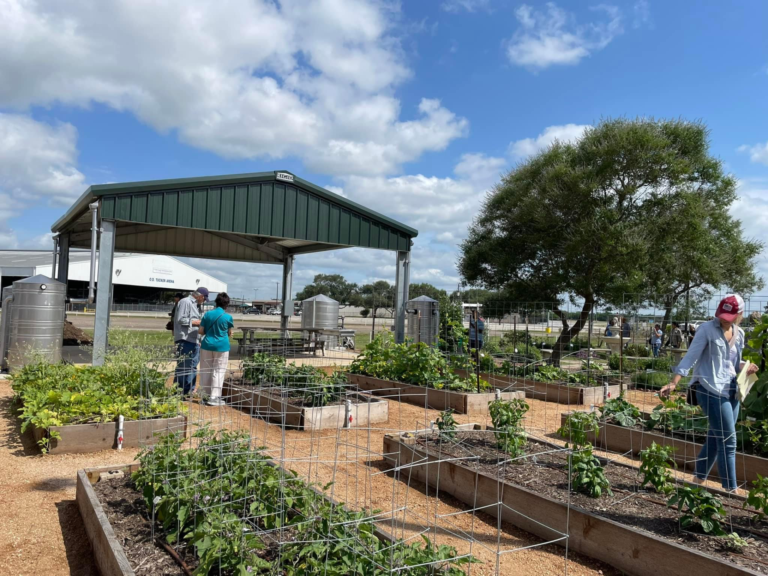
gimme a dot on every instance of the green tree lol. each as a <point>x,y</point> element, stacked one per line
<point>334,286</point>
<point>379,294</point>
<point>700,249</point>
<point>425,289</point>
<point>578,220</point>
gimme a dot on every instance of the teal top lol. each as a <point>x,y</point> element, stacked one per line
<point>216,325</point>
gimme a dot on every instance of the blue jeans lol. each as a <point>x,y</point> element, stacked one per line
<point>656,347</point>
<point>186,367</point>
<point>722,412</point>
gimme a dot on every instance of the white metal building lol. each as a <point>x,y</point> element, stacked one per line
<point>142,274</point>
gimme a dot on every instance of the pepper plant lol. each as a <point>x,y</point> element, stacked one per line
<point>507,418</point>
<point>699,507</point>
<point>758,497</point>
<point>587,475</point>
<point>446,424</point>
<point>577,426</point>
<point>655,464</point>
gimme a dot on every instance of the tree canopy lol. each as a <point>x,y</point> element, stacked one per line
<point>425,289</point>
<point>583,220</point>
<point>334,286</point>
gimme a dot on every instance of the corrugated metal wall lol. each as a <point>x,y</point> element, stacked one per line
<point>266,209</point>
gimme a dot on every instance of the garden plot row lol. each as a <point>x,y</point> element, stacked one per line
<point>627,531</point>
<point>255,517</point>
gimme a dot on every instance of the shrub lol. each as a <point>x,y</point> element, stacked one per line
<point>655,464</point>
<point>699,507</point>
<point>654,380</point>
<point>587,475</point>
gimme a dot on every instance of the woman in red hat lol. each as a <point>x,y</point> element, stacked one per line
<point>715,357</point>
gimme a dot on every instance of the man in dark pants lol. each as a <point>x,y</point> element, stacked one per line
<point>185,335</point>
<point>476,332</point>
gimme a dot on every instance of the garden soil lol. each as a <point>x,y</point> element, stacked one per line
<point>41,531</point>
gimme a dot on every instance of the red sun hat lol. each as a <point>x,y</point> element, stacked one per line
<point>730,307</point>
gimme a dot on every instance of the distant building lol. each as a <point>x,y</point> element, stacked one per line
<point>137,278</point>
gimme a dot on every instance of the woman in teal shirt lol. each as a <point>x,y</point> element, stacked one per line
<point>216,328</point>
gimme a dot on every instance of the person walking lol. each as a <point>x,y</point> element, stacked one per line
<point>656,339</point>
<point>626,328</point>
<point>476,332</point>
<point>714,356</point>
<point>675,336</point>
<point>186,336</point>
<point>216,329</point>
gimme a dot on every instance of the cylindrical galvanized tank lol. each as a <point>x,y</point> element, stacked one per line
<point>37,320</point>
<point>5,325</point>
<point>320,312</point>
<point>423,320</point>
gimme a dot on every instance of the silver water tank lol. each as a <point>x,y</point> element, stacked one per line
<point>423,320</point>
<point>320,312</point>
<point>5,325</point>
<point>37,320</point>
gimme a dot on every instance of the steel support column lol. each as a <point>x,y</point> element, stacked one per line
<point>62,271</point>
<point>287,310</point>
<point>402,281</point>
<point>104,292</point>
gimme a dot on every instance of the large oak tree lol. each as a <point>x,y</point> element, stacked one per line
<point>580,221</point>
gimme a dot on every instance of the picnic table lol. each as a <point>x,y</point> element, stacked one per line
<point>248,342</point>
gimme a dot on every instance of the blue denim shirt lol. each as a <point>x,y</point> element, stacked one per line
<point>708,356</point>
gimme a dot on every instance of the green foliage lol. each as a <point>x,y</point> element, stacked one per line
<point>699,507</point>
<point>318,388</point>
<point>638,350</point>
<point>753,436</point>
<point>416,364</point>
<point>576,427</point>
<point>758,497</point>
<point>334,286</point>
<point>507,418</point>
<point>735,543</point>
<point>203,496</point>
<point>446,424</point>
<point>654,380</point>
<point>425,289</point>
<point>587,475</point>
<point>756,351</point>
<point>655,464</point>
<point>633,365</point>
<point>62,394</point>
<point>452,330</point>
<point>620,412</point>
<point>676,415</point>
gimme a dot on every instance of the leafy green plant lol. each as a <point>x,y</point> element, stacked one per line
<point>676,415</point>
<point>577,426</point>
<point>209,497</point>
<point>655,464</point>
<point>507,418</point>
<point>756,351</point>
<point>700,507</point>
<point>587,475</point>
<point>735,543</point>
<point>621,412</point>
<point>62,394</point>
<point>758,497</point>
<point>446,424</point>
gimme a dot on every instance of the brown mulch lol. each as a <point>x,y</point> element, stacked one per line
<point>73,336</point>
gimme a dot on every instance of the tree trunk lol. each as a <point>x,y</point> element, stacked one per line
<point>569,332</point>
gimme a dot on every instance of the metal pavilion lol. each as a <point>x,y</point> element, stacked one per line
<point>265,217</point>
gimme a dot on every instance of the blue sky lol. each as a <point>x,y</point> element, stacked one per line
<point>412,108</point>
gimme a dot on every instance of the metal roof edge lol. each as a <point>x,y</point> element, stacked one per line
<point>98,190</point>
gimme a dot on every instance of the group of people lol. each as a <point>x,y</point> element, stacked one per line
<point>201,338</point>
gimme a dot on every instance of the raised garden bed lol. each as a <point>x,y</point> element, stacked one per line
<point>79,438</point>
<point>470,403</point>
<point>625,531</point>
<point>552,391</point>
<point>614,438</point>
<point>276,405</point>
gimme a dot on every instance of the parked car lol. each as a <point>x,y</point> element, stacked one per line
<point>273,312</point>
<point>252,311</point>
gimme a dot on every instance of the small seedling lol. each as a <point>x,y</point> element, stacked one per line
<point>735,543</point>
<point>447,425</point>
<point>655,464</point>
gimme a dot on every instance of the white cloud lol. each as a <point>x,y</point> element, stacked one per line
<point>244,79</point>
<point>529,146</point>
<point>751,208</point>
<point>757,153</point>
<point>456,6</point>
<point>642,14</point>
<point>554,38</point>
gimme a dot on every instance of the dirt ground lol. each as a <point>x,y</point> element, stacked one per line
<point>41,531</point>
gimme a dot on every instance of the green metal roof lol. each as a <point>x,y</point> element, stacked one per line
<point>278,208</point>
